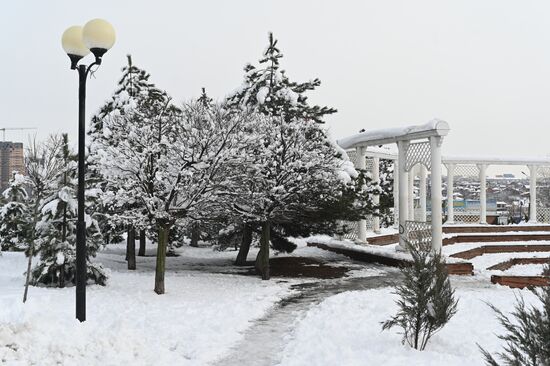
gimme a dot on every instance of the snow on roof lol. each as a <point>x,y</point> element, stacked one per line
<point>435,127</point>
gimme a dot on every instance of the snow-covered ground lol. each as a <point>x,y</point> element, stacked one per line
<point>345,329</point>
<point>209,309</point>
<point>199,318</point>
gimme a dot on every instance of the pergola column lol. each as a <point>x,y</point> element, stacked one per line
<point>361,163</point>
<point>422,190</point>
<point>437,219</point>
<point>376,197</point>
<point>403,178</point>
<point>533,194</point>
<point>482,193</point>
<point>410,188</point>
<point>395,194</point>
<point>450,193</point>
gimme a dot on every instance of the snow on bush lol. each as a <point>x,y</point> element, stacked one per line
<point>426,299</point>
<point>527,334</point>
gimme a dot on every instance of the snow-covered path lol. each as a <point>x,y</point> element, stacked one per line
<point>264,342</point>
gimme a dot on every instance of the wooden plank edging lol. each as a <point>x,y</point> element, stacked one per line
<point>465,268</point>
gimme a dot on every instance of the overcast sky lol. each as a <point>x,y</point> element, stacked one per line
<point>481,65</point>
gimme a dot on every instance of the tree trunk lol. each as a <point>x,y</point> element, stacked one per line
<point>262,260</point>
<point>61,277</point>
<point>245,246</point>
<point>127,244</point>
<point>131,248</point>
<point>142,242</point>
<point>161,258</point>
<point>195,236</point>
<point>28,277</point>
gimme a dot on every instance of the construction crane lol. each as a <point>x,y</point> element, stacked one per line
<point>4,129</point>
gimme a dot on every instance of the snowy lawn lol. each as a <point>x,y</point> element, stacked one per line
<point>199,318</point>
<point>345,329</point>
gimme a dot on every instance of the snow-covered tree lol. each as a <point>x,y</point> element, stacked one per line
<point>426,299</point>
<point>291,177</point>
<point>267,89</point>
<point>14,215</point>
<point>42,165</point>
<point>527,336</point>
<point>169,165</point>
<point>138,97</point>
<point>56,239</point>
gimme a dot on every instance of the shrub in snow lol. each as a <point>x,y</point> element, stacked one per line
<point>14,215</point>
<point>426,299</point>
<point>527,336</point>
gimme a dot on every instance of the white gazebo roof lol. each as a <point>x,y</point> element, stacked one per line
<point>435,127</point>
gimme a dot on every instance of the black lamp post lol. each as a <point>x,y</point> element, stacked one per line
<point>97,36</point>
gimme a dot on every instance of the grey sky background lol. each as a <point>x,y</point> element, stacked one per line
<point>481,65</point>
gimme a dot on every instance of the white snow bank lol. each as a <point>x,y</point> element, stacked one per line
<point>199,318</point>
<point>346,330</point>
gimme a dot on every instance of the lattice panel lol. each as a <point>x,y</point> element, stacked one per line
<point>351,228</point>
<point>466,171</point>
<point>370,223</point>
<point>418,152</point>
<point>418,233</point>
<point>469,218</point>
<point>352,155</point>
<point>369,164</point>
<point>543,215</point>
<point>543,172</point>
<point>543,193</point>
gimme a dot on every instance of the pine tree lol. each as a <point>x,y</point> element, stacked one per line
<point>14,215</point>
<point>527,334</point>
<point>292,182</point>
<point>268,90</point>
<point>205,100</point>
<point>426,298</point>
<point>42,165</point>
<point>56,239</point>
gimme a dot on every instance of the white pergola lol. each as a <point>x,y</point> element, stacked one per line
<point>417,146</point>
<point>419,151</point>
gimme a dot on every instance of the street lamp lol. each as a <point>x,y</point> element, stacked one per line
<point>97,36</point>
